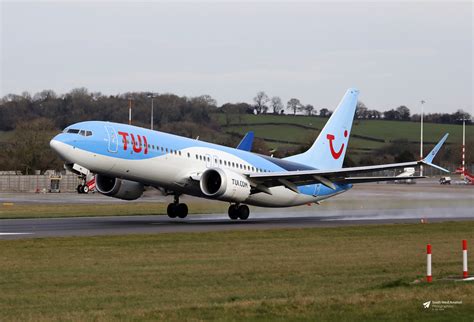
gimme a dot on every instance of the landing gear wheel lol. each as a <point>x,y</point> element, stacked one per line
<point>182,210</point>
<point>171,210</point>
<point>233,212</point>
<point>85,189</point>
<point>177,210</point>
<point>243,212</point>
<point>79,188</point>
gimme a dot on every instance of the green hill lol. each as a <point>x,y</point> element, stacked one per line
<point>283,131</point>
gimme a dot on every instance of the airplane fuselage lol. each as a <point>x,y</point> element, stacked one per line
<point>173,162</point>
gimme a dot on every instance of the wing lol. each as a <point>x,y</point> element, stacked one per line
<point>329,178</point>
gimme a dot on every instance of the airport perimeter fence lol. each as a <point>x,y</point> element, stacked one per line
<point>13,182</point>
<point>37,183</point>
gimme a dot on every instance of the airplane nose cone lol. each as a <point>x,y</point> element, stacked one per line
<point>54,144</point>
<point>58,146</point>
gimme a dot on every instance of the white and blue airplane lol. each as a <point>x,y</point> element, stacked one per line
<point>127,158</point>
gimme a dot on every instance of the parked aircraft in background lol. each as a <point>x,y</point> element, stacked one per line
<point>127,158</point>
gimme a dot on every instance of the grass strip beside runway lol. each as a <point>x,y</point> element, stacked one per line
<point>18,211</point>
<point>345,273</point>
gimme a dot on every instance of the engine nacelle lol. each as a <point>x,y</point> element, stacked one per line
<point>224,185</point>
<point>118,188</point>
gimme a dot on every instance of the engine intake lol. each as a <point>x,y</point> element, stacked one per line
<point>225,185</point>
<point>118,188</point>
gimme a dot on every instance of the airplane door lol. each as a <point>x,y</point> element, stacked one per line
<point>113,140</point>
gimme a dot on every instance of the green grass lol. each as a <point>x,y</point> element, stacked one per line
<point>381,129</point>
<point>18,211</point>
<point>363,273</point>
<point>295,134</point>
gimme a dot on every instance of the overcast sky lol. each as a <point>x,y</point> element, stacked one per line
<point>394,52</point>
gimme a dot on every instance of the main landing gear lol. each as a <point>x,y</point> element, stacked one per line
<point>177,209</point>
<point>239,212</point>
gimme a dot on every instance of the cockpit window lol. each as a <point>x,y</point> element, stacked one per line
<point>80,132</point>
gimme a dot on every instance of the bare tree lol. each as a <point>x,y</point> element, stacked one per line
<point>404,112</point>
<point>261,99</point>
<point>309,109</point>
<point>276,104</point>
<point>324,112</point>
<point>294,105</point>
<point>361,111</point>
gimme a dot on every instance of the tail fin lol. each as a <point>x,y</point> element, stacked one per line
<point>329,149</point>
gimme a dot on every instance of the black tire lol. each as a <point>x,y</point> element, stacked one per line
<point>85,189</point>
<point>243,212</point>
<point>182,210</point>
<point>171,210</point>
<point>79,189</point>
<point>233,212</point>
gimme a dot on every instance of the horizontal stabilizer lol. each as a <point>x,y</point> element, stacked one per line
<point>428,160</point>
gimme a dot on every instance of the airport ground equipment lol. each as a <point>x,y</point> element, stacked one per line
<point>55,183</point>
<point>445,180</point>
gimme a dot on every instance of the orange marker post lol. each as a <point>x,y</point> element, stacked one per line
<point>464,259</point>
<point>429,278</point>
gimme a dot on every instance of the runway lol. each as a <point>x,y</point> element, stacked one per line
<point>119,225</point>
<point>365,204</point>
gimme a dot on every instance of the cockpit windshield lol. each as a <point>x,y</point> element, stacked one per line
<point>77,131</point>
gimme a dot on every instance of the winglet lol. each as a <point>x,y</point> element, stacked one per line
<point>429,158</point>
<point>246,143</point>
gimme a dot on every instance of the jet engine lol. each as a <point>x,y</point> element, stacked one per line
<point>118,188</point>
<point>224,185</point>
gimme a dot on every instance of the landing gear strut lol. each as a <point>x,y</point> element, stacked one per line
<point>239,212</point>
<point>177,209</point>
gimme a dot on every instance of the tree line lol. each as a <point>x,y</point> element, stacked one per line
<point>264,104</point>
<point>40,116</point>
<point>80,105</point>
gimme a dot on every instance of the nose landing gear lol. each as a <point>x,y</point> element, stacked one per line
<point>241,212</point>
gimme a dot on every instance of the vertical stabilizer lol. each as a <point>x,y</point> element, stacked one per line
<point>329,149</point>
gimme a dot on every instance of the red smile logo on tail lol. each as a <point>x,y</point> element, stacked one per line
<point>335,155</point>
